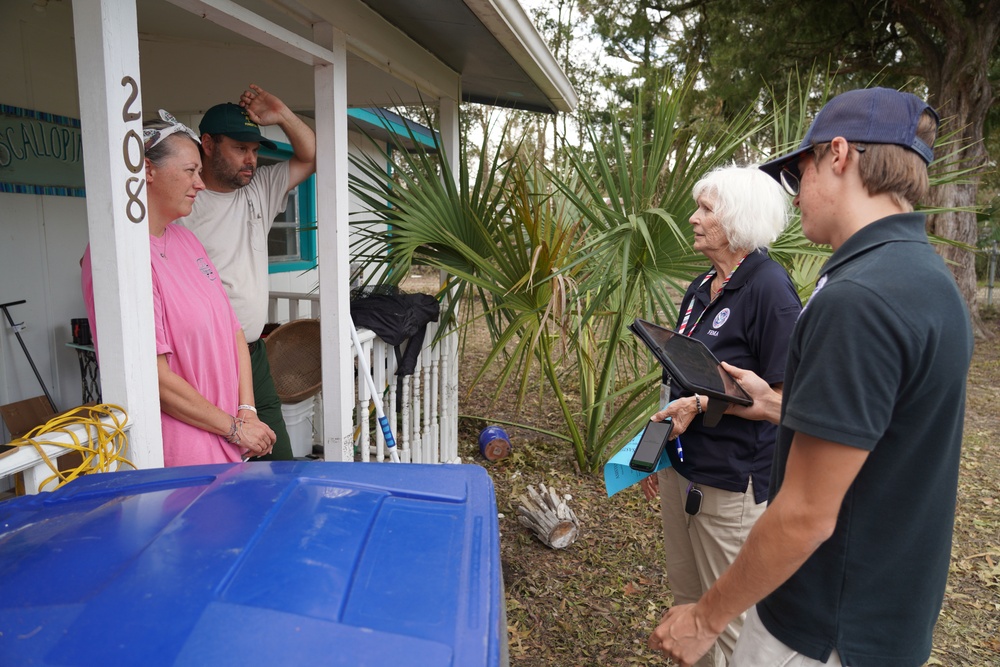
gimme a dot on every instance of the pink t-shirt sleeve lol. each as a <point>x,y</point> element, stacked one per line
<point>87,286</point>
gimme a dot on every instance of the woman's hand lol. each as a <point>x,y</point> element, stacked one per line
<point>255,436</point>
<point>650,486</point>
<point>683,412</point>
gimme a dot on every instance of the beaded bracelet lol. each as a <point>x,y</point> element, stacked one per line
<point>697,403</point>
<point>234,436</point>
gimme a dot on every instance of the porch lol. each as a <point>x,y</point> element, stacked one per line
<point>422,408</point>
<point>78,62</point>
<point>423,415</point>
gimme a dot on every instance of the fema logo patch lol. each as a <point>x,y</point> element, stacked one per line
<point>721,318</point>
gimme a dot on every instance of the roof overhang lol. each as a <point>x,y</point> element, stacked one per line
<point>401,52</point>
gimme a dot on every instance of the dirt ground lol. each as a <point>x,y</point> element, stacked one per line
<point>968,630</point>
<point>595,602</point>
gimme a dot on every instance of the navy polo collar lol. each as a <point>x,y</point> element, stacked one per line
<point>905,227</point>
<point>742,275</point>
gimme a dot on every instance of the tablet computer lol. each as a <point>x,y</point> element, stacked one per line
<point>690,363</point>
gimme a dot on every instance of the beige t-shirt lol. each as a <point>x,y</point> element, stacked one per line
<point>233,227</point>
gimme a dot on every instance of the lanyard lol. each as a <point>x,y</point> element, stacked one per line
<point>711,274</point>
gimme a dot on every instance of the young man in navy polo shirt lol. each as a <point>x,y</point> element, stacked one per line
<point>847,566</point>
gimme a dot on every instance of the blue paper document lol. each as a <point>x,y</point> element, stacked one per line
<point>618,475</point>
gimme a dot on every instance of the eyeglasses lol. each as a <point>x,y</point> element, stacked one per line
<point>791,177</point>
<point>152,137</point>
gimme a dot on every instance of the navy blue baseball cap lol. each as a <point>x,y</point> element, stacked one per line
<point>867,115</point>
<point>232,120</point>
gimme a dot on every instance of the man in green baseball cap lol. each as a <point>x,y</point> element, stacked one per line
<point>233,121</point>
<point>233,215</point>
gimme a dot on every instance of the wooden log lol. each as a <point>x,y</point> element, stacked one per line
<point>548,516</point>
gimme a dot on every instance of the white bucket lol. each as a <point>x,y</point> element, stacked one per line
<point>298,420</point>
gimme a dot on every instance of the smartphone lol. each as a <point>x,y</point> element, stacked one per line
<point>654,439</point>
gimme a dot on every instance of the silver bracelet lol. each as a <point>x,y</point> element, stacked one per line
<point>246,407</point>
<point>697,403</point>
<point>233,437</point>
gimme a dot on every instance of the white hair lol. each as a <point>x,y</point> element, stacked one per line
<point>750,205</point>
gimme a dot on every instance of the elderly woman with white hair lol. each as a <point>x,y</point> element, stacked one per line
<point>743,309</point>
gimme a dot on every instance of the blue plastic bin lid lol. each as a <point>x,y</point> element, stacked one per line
<point>279,563</point>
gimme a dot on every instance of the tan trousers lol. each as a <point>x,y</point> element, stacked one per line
<point>700,548</point>
<point>758,647</point>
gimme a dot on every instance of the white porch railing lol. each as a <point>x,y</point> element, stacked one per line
<point>424,419</point>
<point>27,460</point>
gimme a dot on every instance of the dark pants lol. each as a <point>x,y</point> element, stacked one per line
<point>268,404</point>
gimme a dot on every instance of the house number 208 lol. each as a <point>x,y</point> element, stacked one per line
<point>134,209</point>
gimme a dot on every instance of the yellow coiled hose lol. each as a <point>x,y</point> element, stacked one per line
<point>102,442</point>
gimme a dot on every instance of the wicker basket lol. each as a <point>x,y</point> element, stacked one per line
<point>293,351</point>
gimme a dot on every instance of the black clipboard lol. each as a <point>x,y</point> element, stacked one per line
<point>693,366</point>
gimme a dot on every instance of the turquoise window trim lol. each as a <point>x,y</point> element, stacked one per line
<point>288,267</point>
<point>420,133</point>
<point>307,217</point>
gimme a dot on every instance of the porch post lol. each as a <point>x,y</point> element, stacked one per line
<point>332,237</point>
<point>107,56</point>
<point>450,135</point>
<point>450,144</point>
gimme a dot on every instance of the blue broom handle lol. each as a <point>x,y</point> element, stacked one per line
<point>376,398</point>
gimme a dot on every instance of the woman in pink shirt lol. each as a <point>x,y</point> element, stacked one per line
<point>203,364</point>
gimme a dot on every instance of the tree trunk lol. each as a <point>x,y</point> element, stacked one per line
<point>546,513</point>
<point>963,101</point>
<point>956,49</point>
<point>959,226</point>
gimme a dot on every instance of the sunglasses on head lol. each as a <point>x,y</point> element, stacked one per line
<point>152,137</point>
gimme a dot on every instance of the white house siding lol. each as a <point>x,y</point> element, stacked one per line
<point>41,242</point>
<point>43,237</point>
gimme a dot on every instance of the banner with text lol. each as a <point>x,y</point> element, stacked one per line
<point>40,153</point>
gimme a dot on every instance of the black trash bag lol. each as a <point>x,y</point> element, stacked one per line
<point>397,318</point>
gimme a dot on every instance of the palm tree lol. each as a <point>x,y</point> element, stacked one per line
<point>561,260</point>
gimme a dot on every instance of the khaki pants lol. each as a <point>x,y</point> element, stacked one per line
<point>699,548</point>
<point>758,647</point>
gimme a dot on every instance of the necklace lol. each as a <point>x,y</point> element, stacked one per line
<point>713,294</point>
<point>160,248</point>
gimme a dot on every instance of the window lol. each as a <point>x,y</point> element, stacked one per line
<point>283,241</point>
<point>291,244</point>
